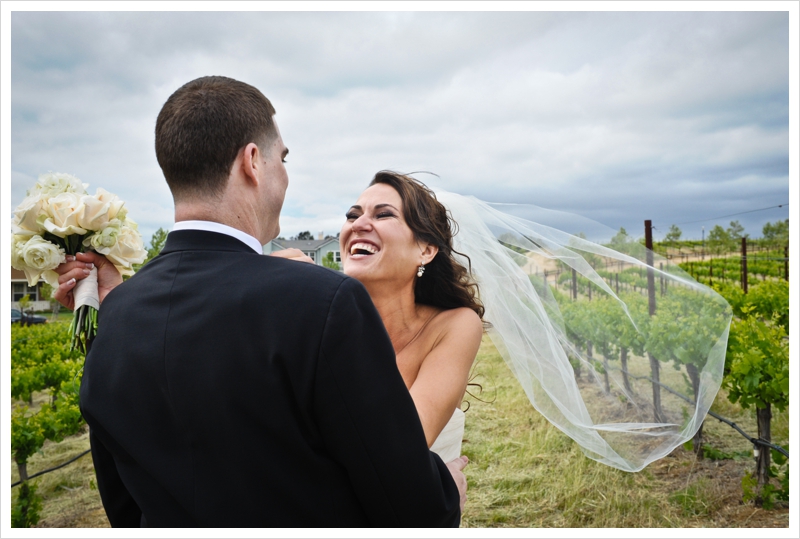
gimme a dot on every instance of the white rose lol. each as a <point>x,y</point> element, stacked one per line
<point>55,183</point>
<point>128,249</point>
<point>17,244</point>
<point>102,240</point>
<point>40,255</point>
<point>63,212</point>
<point>114,202</point>
<point>19,231</point>
<point>28,211</point>
<point>95,213</point>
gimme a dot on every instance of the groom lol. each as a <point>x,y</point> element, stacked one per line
<point>230,389</point>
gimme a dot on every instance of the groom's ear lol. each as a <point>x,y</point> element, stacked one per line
<point>251,163</point>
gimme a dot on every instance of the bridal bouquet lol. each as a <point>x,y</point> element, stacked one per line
<point>58,218</point>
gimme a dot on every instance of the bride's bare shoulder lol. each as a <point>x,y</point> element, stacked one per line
<point>459,322</point>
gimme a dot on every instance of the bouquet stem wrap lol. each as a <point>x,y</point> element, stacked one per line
<point>86,292</point>
<point>87,303</point>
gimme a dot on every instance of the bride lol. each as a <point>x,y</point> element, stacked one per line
<point>398,241</point>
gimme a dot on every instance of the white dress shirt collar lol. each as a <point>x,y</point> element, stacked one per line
<point>210,226</point>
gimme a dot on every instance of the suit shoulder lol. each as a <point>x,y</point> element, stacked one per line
<point>304,273</point>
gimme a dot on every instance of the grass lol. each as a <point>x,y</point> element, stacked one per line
<point>523,472</point>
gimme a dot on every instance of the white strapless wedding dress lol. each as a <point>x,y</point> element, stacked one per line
<point>448,444</point>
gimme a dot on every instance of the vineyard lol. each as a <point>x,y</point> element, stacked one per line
<point>645,367</point>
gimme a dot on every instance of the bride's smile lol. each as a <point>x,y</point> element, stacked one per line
<point>376,242</point>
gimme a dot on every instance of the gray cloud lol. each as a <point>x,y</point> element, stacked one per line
<point>618,116</point>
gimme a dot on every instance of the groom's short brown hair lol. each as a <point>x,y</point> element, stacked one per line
<point>201,129</point>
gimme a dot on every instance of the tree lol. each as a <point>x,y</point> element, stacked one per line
<point>24,303</point>
<point>719,240</point>
<point>736,231</point>
<point>777,232</point>
<point>47,292</point>
<point>674,234</point>
<point>328,262</point>
<point>305,235</point>
<point>156,244</point>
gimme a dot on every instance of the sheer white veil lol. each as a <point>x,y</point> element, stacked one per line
<point>572,319</point>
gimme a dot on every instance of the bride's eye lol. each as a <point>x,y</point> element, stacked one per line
<point>385,214</point>
<point>350,216</point>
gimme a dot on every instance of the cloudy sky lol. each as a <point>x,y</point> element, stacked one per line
<point>616,116</point>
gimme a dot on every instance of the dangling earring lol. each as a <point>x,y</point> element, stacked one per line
<point>420,270</point>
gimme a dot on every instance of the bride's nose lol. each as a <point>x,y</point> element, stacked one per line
<point>362,223</point>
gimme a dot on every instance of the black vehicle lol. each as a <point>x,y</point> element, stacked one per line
<point>17,316</point>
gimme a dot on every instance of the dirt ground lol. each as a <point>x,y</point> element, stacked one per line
<point>721,505</point>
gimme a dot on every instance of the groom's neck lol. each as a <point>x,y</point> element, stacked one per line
<point>241,216</point>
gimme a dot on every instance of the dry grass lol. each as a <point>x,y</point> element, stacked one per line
<point>522,473</point>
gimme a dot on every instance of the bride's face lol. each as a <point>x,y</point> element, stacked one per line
<point>375,241</point>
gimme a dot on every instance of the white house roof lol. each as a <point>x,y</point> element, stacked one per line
<point>305,245</point>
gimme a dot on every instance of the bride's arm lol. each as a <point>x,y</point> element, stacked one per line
<point>442,379</point>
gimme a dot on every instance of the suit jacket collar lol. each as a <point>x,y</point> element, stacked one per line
<point>202,240</point>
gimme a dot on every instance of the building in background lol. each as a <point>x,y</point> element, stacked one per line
<point>19,287</point>
<point>317,249</point>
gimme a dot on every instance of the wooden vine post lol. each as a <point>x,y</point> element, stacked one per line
<point>744,265</point>
<point>651,301</point>
<point>574,284</point>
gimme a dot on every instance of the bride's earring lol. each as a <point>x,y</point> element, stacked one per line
<point>420,270</point>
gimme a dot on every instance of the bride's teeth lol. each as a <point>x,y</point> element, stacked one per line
<point>363,247</point>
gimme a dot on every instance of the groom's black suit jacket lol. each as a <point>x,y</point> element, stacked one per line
<point>228,389</point>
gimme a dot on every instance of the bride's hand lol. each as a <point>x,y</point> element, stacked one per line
<point>77,268</point>
<point>455,466</point>
<point>293,254</point>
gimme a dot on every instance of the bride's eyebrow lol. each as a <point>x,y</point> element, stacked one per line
<point>355,207</point>
<point>379,206</point>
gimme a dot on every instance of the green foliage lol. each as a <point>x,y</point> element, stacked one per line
<point>157,242</point>
<point>47,291</point>
<point>673,235</point>
<point>328,262</point>
<point>305,235</point>
<point>757,362</point>
<point>42,361</point>
<point>735,231</point>
<point>769,300</point>
<point>693,500</point>
<point>685,327</point>
<point>749,488</point>
<point>770,493</point>
<point>777,232</point>
<point>764,264</point>
<point>25,509</point>
<point>27,435</point>
<point>780,470</point>
<point>719,240</point>
<point>24,303</point>
<point>712,453</point>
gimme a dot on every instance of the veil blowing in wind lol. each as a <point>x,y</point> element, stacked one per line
<point>616,346</point>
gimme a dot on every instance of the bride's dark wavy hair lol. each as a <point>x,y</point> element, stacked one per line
<point>446,283</point>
